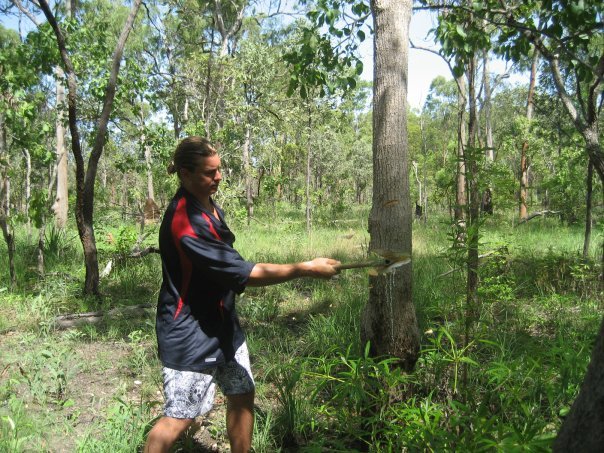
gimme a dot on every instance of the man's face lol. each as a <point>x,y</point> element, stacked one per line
<point>204,180</point>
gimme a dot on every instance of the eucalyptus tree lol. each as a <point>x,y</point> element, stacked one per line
<point>86,174</point>
<point>388,322</point>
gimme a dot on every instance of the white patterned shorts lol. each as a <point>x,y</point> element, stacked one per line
<point>190,394</point>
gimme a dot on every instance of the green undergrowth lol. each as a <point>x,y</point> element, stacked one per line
<point>96,387</point>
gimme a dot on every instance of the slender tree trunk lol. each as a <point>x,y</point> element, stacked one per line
<point>524,180</point>
<point>588,203</point>
<point>226,34</point>
<point>490,151</point>
<point>461,199</point>
<point>249,199</point>
<point>61,204</point>
<point>148,161</point>
<point>388,320</point>
<point>7,230</point>
<point>471,156</point>
<point>27,190</point>
<point>308,170</point>
<point>42,229</point>
<point>424,173</point>
<point>487,196</point>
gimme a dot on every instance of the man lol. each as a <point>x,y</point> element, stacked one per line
<point>201,343</point>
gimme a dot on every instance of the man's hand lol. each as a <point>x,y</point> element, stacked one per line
<point>321,268</point>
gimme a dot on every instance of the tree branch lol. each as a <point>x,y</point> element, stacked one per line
<point>594,91</point>
<point>25,11</point>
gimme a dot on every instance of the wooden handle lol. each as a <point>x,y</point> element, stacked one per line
<point>360,264</point>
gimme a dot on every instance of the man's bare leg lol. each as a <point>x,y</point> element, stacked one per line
<point>240,421</point>
<point>165,432</point>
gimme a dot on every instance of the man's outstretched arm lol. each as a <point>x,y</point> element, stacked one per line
<point>264,274</point>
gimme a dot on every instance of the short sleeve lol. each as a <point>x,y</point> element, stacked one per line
<point>221,262</point>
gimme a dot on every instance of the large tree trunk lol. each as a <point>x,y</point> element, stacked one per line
<point>523,156</point>
<point>86,175</point>
<point>388,321</point>
<point>583,428</point>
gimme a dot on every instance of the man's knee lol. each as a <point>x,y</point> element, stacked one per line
<point>165,432</point>
<point>241,401</point>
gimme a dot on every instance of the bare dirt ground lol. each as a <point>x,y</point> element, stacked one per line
<point>96,374</point>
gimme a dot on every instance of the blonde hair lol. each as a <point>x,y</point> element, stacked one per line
<point>187,151</point>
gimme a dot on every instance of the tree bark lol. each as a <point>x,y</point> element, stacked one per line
<point>249,200</point>
<point>7,230</point>
<point>473,211</point>
<point>487,196</point>
<point>588,203</point>
<point>583,428</point>
<point>523,211</point>
<point>308,170</point>
<point>461,199</point>
<point>27,156</point>
<point>86,175</point>
<point>148,160</point>
<point>61,204</point>
<point>388,320</point>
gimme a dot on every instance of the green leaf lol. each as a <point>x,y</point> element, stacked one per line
<point>461,32</point>
<point>359,67</point>
<point>361,35</point>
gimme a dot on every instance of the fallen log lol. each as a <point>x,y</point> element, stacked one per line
<point>536,214</point>
<point>460,268</point>
<point>68,321</point>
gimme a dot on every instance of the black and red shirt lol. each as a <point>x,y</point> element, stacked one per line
<point>197,325</point>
